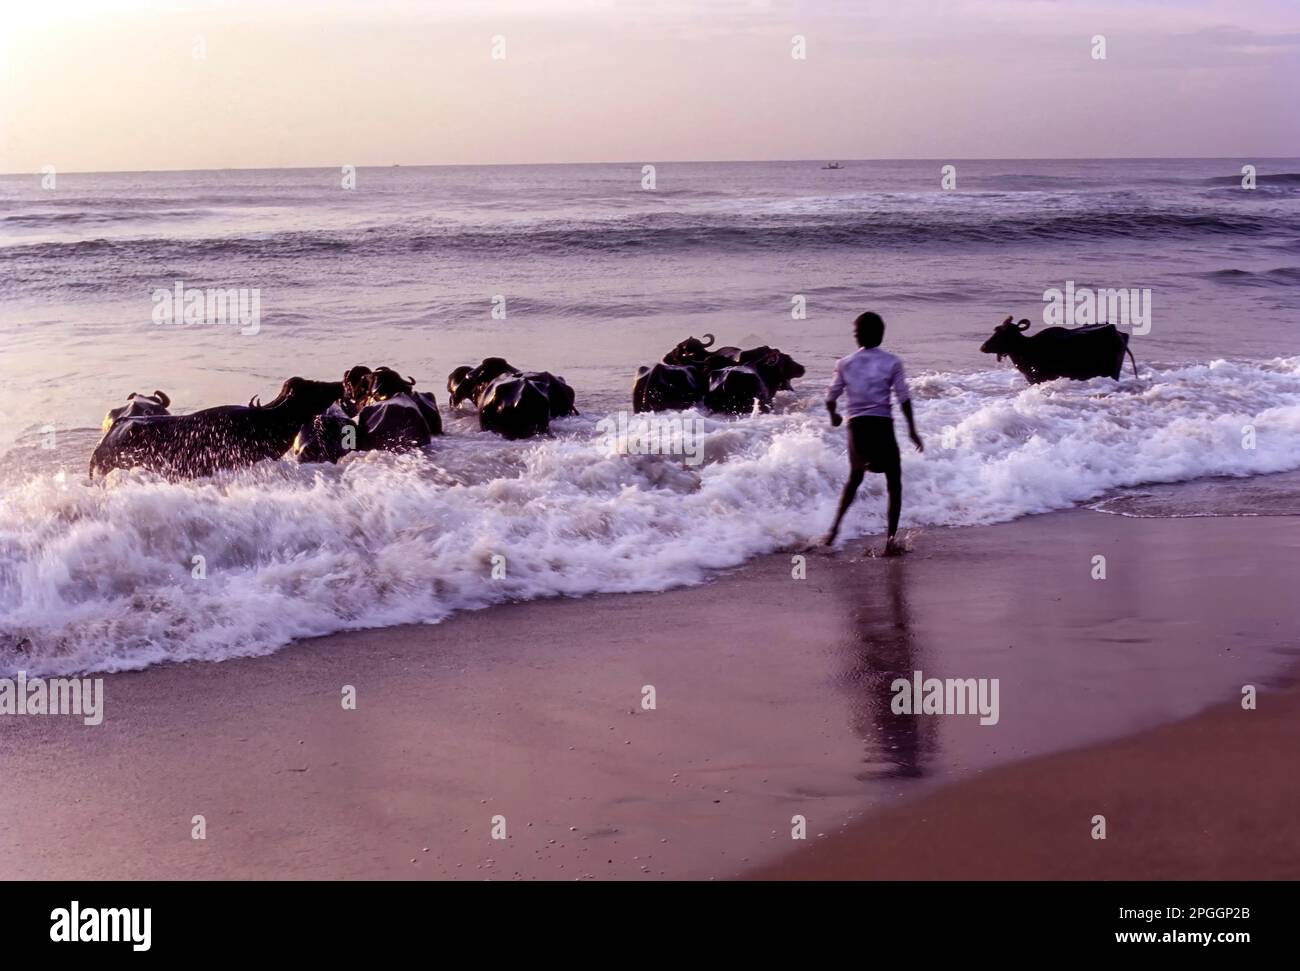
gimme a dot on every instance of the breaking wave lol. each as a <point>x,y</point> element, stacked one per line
<point>103,576</point>
<point>1274,179</point>
<point>1282,276</point>
<point>672,232</point>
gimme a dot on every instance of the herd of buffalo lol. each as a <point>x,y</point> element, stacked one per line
<point>321,421</point>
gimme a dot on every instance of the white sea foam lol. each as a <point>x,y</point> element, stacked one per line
<point>98,576</point>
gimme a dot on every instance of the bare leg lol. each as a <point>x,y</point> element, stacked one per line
<point>846,500</point>
<point>894,481</point>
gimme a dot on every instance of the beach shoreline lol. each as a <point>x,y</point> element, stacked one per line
<point>1209,798</point>
<point>771,701</point>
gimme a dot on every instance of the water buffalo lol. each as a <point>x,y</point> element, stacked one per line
<point>379,410</point>
<point>137,406</point>
<point>693,352</point>
<point>207,441</point>
<point>328,436</point>
<point>393,415</point>
<point>735,389</point>
<point>510,402</point>
<point>724,379</point>
<point>666,387</point>
<point>514,407</point>
<point>467,383</point>
<point>354,388</point>
<point>562,397</point>
<point>776,369</point>
<point>1078,353</point>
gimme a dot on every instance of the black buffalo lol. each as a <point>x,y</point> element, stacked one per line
<point>725,379</point>
<point>513,403</point>
<point>207,441</point>
<point>378,410</point>
<point>514,407</point>
<point>393,415</point>
<point>137,406</point>
<point>776,369</point>
<point>467,383</point>
<point>328,436</point>
<point>735,389</point>
<point>562,397</point>
<point>666,387</point>
<point>696,353</point>
<point>1078,353</point>
<point>354,388</point>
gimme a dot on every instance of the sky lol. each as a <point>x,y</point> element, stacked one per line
<point>103,85</point>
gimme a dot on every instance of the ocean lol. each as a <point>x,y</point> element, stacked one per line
<point>583,271</point>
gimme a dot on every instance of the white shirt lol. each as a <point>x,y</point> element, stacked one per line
<point>867,375</point>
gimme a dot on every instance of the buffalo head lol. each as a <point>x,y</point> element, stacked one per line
<point>384,383</point>
<point>775,368</point>
<point>138,405</point>
<point>354,382</point>
<point>1006,338</point>
<point>456,384</point>
<point>691,351</point>
<point>466,383</point>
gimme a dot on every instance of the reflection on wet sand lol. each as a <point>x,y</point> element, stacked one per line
<point>878,647</point>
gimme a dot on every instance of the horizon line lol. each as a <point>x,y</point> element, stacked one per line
<point>638,162</point>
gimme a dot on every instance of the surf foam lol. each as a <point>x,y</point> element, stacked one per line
<point>101,576</point>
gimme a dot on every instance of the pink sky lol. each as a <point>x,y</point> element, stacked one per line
<point>115,84</point>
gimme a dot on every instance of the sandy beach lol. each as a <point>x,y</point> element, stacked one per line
<point>771,700</point>
<point>1210,798</point>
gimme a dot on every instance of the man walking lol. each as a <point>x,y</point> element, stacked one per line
<point>866,378</point>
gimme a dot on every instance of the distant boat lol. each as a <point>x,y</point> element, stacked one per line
<point>832,165</point>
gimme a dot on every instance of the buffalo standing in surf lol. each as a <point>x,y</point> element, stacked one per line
<point>137,406</point>
<point>755,377</point>
<point>378,410</point>
<point>776,369</point>
<point>513,403</point>
<point>1078,353</point>
<point>696,353</point>
<point>735,390</point>
<point>725,379</point>
<point>467,383</point>
<point>393,415</point>
<point>327,437</point>
<point>355,384</point>
<point>208,441</point>
<point>666,387</point>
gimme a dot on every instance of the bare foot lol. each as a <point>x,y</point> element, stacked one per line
<point>893,547</point>
<point>830,539</point>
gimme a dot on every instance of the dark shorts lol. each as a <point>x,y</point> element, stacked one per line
<point>872,445</point>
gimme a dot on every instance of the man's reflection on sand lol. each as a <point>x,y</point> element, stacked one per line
<point>879,646</point>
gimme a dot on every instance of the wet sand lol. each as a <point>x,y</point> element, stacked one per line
<point>771,701</point>
<point>1210,798</point>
